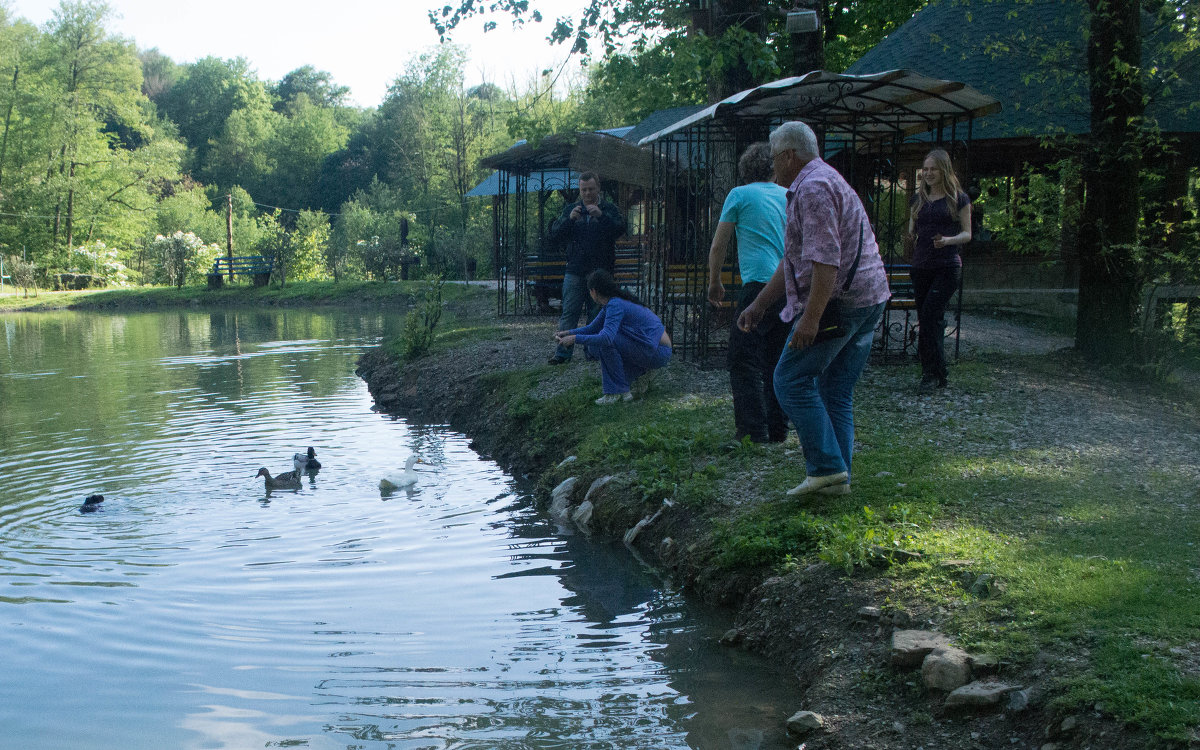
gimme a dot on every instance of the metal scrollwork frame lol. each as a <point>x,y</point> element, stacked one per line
<point>867,137</point>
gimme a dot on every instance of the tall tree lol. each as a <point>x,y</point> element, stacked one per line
<point>205,95</point>
<point>298,147</point>
<point>1109,277</point>
<point>317,85</point>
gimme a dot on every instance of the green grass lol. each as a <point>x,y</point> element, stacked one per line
<point>353,293</point>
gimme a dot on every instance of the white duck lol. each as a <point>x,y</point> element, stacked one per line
<point>398,480</point>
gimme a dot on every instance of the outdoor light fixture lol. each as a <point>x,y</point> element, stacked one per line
<point>803,21</point>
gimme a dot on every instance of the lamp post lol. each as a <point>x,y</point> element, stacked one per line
<point>806,29</point>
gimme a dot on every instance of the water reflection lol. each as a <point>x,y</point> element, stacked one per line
<point>197,610</point>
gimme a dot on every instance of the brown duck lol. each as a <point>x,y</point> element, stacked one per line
<point>289,480</point>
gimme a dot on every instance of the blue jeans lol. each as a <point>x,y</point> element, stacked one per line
<point>625,360</point>
<point>574,298</point>
<point>815,387</point>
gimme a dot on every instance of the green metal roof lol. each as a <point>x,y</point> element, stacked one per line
<point>1031,55</point>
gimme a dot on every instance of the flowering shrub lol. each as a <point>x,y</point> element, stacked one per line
<point>99,261</point>
<point>182,257</point>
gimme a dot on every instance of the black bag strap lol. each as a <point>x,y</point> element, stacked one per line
<point>854,265</point>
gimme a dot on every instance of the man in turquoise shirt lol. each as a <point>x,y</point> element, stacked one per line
<point>754,213</point>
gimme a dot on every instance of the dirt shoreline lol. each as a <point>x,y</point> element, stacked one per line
<point>809,619</point>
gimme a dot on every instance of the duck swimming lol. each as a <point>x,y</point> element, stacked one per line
<point>289,480</point>
<point>407,478</point>
<point>306,461</point>
<point>91,504</point>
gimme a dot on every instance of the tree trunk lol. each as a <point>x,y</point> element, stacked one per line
<point>7,122</point>
<point>1109,279</point>
<point>71,209</point>
<point>726,14</point>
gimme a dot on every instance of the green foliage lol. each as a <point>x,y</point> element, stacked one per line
<point>316,86</point>
<point>22,273</point>
<point>310,242</point>
<point>1028,214</point>
<point>417,335</point>
<point>182,258</point>
<point>665,456</point>
<point>767,537</point>
<point>866,538</point>
<point>776,535</point>
<point>100,262</point>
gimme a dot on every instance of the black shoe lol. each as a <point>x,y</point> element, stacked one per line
<point>557,360</point>
<point>927,385</point>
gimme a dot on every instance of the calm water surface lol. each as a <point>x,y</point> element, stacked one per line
<point>197,611</point>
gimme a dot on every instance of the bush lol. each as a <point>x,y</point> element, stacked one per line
<point>23,274</point>
<point>182,257</point>
<point>417,335</point>
<point>95,259</point>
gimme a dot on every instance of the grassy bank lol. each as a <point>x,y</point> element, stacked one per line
<point>349,293</point>
<point>1035,511</point>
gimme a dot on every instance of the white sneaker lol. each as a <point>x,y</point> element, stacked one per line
<point>609,399</point>
<point>812,484</point>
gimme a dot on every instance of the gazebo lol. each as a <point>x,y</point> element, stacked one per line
<point>864,123</point>
<point>1032,54</point>
<point>528,270</point>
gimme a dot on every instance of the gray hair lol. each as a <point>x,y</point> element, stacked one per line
<point>755,164</point>
<point>795,136</point>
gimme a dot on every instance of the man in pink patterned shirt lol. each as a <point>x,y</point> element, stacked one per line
<point>829,251</point>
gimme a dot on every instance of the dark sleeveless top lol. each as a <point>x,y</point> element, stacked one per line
<point>933,219</point>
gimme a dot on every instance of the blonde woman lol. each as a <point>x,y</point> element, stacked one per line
<point>940,223</point>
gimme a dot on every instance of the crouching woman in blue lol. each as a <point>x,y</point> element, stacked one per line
<point>626,337</point>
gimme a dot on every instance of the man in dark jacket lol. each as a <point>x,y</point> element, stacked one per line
<point>589,228</point>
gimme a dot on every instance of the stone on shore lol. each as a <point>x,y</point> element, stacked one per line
<point>596,487</point>
<point>986,694</point>
<point>803,723</point>
<point>946,668</point>
<point>583,516</point>
<point>560,497</point>
<point>910,647</point>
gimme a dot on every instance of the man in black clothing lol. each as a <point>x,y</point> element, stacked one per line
<point>589,227</point>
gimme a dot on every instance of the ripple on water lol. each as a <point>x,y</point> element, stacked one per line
<point>206,612</point>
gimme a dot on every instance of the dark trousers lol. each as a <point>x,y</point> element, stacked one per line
<point>932,290</point>
<point>752,360</point>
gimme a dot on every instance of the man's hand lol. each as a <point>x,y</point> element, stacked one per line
<point>750,318</point>
<point>594,211</point>
<point>577,213</point>
<point>716,292</point>
<point>805,331</point>
<point>564,338</point>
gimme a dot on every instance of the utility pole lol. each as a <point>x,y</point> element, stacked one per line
<point>229,233</point>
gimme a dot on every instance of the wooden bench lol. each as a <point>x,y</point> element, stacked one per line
<point>898,333</point>
<point>257,267</point>
<point>1167,294</point>
<point>544,274</point>
<point>900,283</point>
<point>688,284</point>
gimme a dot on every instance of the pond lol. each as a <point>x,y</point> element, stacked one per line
<point>197,610</point>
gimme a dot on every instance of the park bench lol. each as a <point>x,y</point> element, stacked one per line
<point>257,267</point>
<point>688,285</point>
<point>544,274</point>
<point>1157,295</point>
<point>899,329</point>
